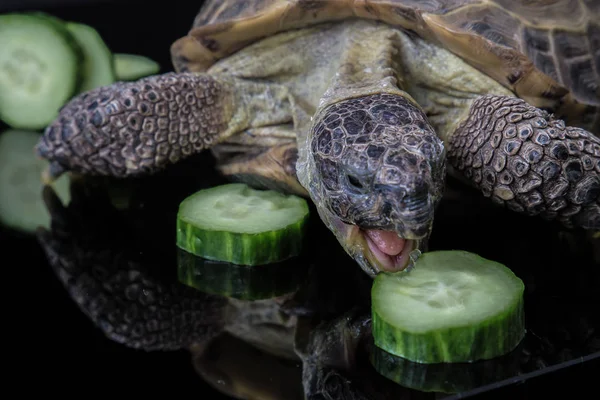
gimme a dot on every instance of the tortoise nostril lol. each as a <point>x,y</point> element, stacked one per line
<point>355,183</point>
<point>420,190</point>
<point>386,210</point>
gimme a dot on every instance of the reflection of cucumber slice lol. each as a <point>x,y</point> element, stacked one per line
<point>444,377</point>
<point>241,225</point>
<point>21,204</point>
<point>130,67</point>
<point>98,68</point>
<point>240,281</point>
<point>454,306</point>
<point>39,69</point>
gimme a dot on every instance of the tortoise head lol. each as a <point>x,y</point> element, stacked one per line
<point>375,170</point>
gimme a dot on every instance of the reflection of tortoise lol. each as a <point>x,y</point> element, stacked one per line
<point>357,104</point>
<point>323,330</point>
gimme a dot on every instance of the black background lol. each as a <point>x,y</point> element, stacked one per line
<point>59,351</point>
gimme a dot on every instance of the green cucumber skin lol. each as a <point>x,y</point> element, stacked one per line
<point>130,67</point>
<point>242,248</point>
<point>489,339</point>
<point>444,377</point>
<point>240,281</point>
<point>77,77</point>
<point>89,82</point>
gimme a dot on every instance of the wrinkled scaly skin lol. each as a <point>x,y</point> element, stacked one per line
<point>544,51</point>
<point>382,144</point>
<point>523,158</point>
<point>133,129</point>
<point>374,121</point>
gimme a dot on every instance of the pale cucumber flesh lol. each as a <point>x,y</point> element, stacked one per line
<point>239,208</point>
<point>241,225</point>
<point>39,69</point>
<point>21,204</point>
<point>454,306</point>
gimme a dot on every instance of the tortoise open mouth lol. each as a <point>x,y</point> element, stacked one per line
<point>373,249</point>
<point>388,250</point>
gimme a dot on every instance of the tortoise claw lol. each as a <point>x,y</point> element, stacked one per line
<point>52,172</point>
<point>56,209</point>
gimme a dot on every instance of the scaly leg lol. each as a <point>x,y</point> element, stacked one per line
<point>134,128</point>
<point>523,158</point>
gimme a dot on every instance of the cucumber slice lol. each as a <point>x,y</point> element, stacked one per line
<point>98,67</point>
<point>445,377</point>
<point>21,205</point>
<point>240,281</point>
<point>454,306</point>
<point>130,67</point>
<point>238,224</point>
<point>39,69</point>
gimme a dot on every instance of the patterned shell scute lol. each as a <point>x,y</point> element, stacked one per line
<point>546,51</point>
<point>215,12</point>
<point>561,39</point>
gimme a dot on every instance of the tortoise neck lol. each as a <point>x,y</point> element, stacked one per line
<point>366,65</point>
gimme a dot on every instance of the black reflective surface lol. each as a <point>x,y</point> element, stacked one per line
<point>60,347</point>
<point>95,239</point>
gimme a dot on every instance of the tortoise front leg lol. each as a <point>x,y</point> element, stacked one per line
<point>523,158</point>
<point>134,128</point>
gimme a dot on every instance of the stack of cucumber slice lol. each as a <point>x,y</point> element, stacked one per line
<point>45,61</point>
<point>241,242</point>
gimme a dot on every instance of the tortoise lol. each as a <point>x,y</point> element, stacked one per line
<point>365,107</point>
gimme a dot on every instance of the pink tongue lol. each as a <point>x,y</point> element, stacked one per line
<point>388,242</point>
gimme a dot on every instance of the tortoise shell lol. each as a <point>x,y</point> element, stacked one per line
<point>546,51</point>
